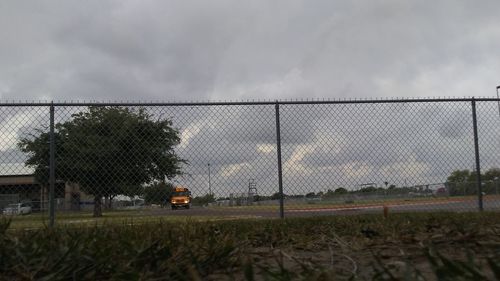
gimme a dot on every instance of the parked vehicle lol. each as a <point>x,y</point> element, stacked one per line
<point>17,209</point>
<point>181,197</point>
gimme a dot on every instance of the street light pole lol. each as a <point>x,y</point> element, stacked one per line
<point>497,178</point>
<point>496,185</point>
<point>498,87</point>
<point>209,183</point>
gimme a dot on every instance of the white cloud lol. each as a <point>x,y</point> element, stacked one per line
<point>409,169</point>
<point>10,128</point>
<point>232,170</point>
<point>15,169</point>
<point>356,170</point>
<point>188,133</point>
<point>266,148</point>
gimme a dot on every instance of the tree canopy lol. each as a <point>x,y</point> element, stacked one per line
<point>107,150</point>
<point>458,176</point>
<point>463,176</point>
<point>158,193</point>
<point>463,182</point>
<point>341,190</point>
<point>205,199</point>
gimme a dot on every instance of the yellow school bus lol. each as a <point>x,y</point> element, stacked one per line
<point>181,197</point>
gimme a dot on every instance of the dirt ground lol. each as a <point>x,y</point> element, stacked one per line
<point>433,251</point>
<point>373,259</point>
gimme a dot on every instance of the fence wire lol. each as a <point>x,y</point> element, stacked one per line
<point>218,159</point>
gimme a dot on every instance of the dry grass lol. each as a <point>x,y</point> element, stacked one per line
<point>445,246</point>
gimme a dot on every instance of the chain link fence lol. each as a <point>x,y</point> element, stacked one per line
<point>249,158</point>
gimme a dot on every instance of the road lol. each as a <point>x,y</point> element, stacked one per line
<point>459,205</point>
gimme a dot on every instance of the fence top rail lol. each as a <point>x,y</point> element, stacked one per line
<point>280,102</point>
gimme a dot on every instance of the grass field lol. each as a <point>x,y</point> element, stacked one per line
<point>362,202</point>
<point>428,246</point>
<point>41,220</point>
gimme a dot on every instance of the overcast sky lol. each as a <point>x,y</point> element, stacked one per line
<point>239,50</point>
<point>218,50</point>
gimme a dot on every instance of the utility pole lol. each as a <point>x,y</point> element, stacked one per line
<point>478,161</point>
<point>209,183</point>
<point>52,167</point>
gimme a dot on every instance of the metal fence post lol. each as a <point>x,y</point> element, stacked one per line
<point>52,178</point>
<point>478,163</point>
<point>278,150</point>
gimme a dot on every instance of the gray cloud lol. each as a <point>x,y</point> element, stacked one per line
<point>323,146</point>
<point>178,50</point>
<point>227,50</point>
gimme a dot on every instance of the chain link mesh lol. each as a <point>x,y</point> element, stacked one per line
<point>221,159</point>
<point>19,193</point>
<point>362,156</point>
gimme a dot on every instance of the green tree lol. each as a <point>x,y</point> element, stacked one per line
<point>491,181</point>
<point>276,196</point>
<point>132,190</point>
<point>329,193</point>
<point>202,200</point>
<point>458,182</point>
<point>158,193</point>
<point>368,189</point>
<point>473,177</point>
<point>340,190</point>
<point>492,174</point>
<point>459,176</point>
<point>310,195</point>
<point>104,149</point>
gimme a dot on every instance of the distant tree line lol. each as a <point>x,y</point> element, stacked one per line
<point>464,182</point>
<point>459,183</point>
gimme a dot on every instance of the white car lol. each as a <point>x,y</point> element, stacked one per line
<point>17,209</point>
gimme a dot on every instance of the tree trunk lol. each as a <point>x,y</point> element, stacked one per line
<point>97,206</point>
<point>110,206</point>
<point>106,202</point>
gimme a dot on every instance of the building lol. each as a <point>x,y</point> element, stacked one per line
<point>24,188</point>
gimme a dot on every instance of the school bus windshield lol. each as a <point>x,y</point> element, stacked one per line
<point>181,193</point>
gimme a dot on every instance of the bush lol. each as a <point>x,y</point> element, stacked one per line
<point>202,200</point>
<point>158,193</point>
